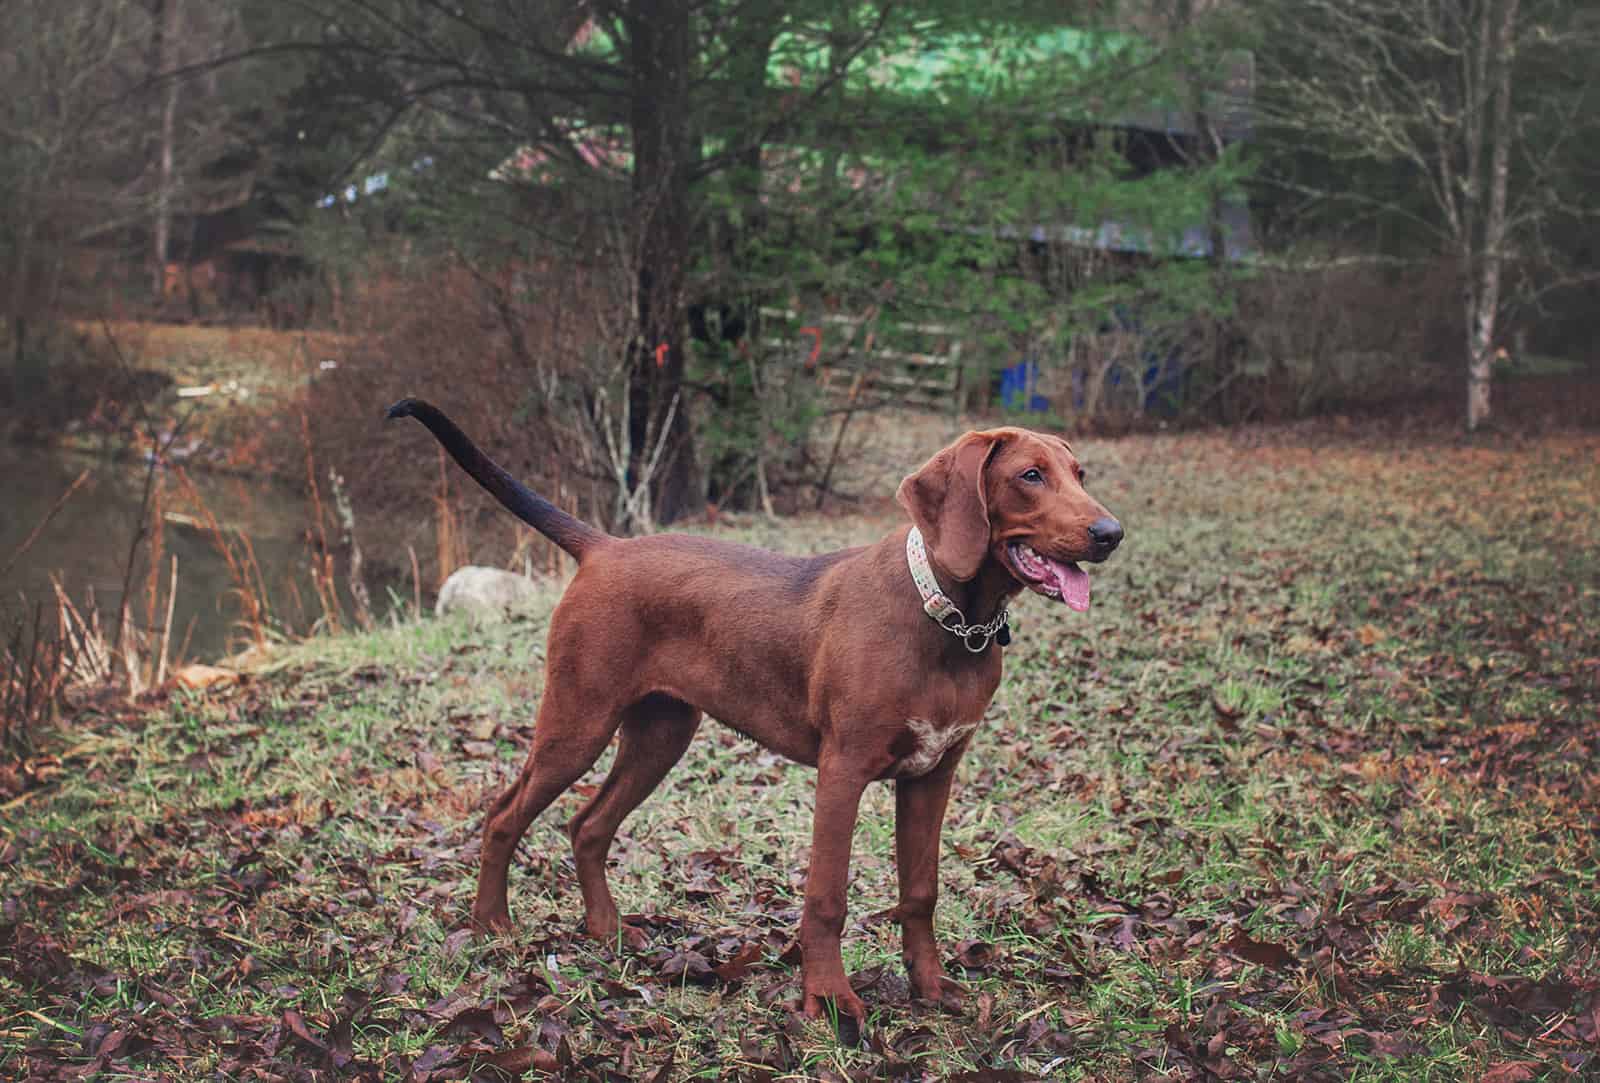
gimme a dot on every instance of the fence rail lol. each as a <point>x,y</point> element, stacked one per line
<point>931,376</point>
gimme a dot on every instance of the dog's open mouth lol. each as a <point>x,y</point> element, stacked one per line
<point>1052,578</point>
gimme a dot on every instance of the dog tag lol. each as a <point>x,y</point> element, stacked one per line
<point>1003,636</point>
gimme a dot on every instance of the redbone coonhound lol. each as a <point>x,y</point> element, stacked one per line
<point>860,663</point>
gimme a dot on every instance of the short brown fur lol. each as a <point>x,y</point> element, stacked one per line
<point>827,660</point>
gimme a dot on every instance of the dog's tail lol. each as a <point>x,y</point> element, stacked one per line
<point>572,534</point>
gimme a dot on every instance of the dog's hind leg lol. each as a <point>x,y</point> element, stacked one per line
<point>567,740</point>
<point>655,733</point>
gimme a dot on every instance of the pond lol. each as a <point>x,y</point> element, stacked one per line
<point>86,546</point>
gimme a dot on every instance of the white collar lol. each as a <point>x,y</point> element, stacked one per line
<point>941,610</point>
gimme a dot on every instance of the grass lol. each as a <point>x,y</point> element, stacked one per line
<point>1307,794</point>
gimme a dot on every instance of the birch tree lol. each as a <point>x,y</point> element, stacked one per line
<point>168,56</point>
<point>1457,99</point>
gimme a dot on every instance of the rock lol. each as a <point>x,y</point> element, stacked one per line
<point>486,593</point>
<point>197,676</point>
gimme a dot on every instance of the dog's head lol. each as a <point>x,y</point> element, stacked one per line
<point>1016,497</point>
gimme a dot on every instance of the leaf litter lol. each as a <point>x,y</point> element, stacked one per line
<point>1310,793</point>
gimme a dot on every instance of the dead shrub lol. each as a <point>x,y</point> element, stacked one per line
<point>1335,335</point>
<point>510,351</point>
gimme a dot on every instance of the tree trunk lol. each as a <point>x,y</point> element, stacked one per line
<point>169,112</point>
<point>658,36</point>
<point>1492,256</point>
<point>22,365</point>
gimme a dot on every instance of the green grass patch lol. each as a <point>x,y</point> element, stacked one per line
<point>1308,794</point>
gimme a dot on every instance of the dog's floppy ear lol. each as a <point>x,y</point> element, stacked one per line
<point>947,502</point>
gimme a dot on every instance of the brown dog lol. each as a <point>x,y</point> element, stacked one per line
<point>859,663</point>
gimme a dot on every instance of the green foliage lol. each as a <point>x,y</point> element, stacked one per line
<point>991,169</point>
<point>763,403</point>
<point>971,172</point>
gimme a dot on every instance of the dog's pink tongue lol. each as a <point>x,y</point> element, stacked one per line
<point>1073,583</point>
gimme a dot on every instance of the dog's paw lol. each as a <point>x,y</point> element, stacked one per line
<point>602,923</point>
<point>617,935</point>
<point>941,991</point>
<point>847,1011</point>
<point>491,920</point>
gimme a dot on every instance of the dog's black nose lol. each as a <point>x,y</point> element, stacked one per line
<point>1106,534</point>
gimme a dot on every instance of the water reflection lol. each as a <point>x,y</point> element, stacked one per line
<point>86,544</point>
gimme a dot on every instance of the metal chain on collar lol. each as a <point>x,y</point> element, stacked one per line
<point>975,637</point>
<point>984,632</point>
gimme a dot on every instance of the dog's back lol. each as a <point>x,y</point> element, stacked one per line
<point>733,630</point>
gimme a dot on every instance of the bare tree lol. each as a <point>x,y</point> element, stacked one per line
<point>168,57</point>
<point>1456,97</point>
<point>68,164</point>
<point>80,173</point>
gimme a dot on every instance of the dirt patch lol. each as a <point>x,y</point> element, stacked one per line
<point>111,385</point>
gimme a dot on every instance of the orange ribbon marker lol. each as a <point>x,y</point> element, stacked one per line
<point>816,345</point>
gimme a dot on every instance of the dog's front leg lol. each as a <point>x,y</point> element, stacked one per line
<point>840,784</point>
<point>919,805</point>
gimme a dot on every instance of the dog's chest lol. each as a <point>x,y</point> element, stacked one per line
<point>923,744</point>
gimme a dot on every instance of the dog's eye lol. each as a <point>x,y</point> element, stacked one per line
<point>1032,476</point>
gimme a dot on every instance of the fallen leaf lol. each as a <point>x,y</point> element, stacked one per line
<point>663,1073</point>
<point>739,965</point>
<point>975,954</point>
<point>685,966</point>
<point>297,1026</point>
<point>1265,953</point>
